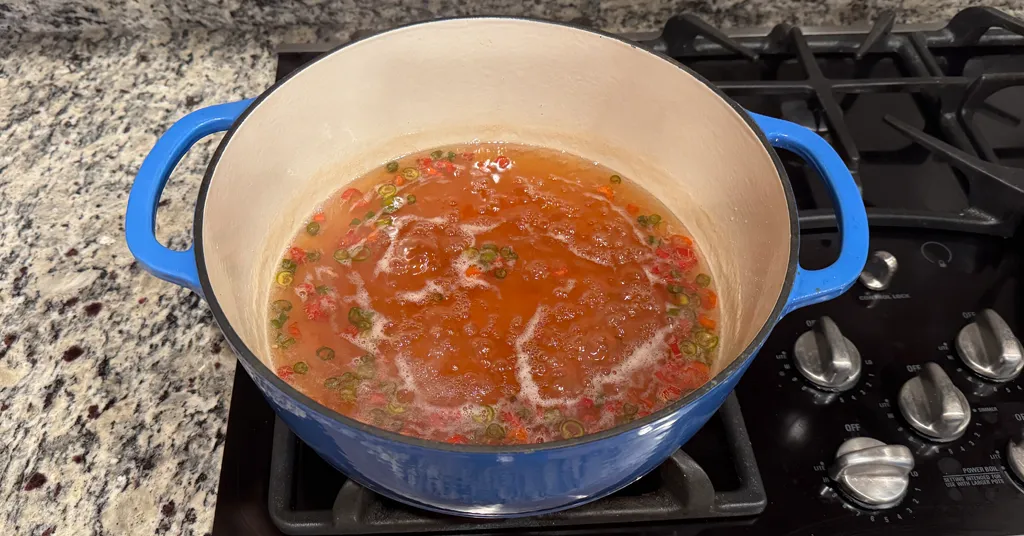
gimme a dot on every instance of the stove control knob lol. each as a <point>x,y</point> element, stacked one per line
<point>874,475</point>
<point>826,358</point>
<point>878,271</point>
<point>1015,457</point>
<point>989,348</point>
<point>934,406</point>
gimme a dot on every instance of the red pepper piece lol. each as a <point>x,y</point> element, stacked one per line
<point>671,393</point>
<point>285,372</point>
<point>511,418</point>
<point>458,439</point>
<point>348,194</point>
<point>297,254</point>
<point>314,311</point>
<point>349,239</point>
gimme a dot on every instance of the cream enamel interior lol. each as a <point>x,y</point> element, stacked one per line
<point>497,80</point>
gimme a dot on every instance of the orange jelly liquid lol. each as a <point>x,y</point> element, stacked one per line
<point>494,294</point>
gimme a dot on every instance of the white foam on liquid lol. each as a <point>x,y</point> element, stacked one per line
<point>566,287</point>
<point>322,271</point>
<point>644,355</point>
<point>431,288</point>
<point>570,244</point>
<point>367,341</point>
<point>397,224</point>
<point>528,388</point>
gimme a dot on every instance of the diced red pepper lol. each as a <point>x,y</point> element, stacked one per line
<point>518,435</point>
<point>319,217</point>
<point>352,331</point>
<point>662,253</point>
<point>708,299</point>
<point>348,194</point>
<point>314,311</point>
<point>632,209</point>
<point>684,240</point>
<point>458,439</point>
<point>424,162</point>
<point>297,254</point>
<point>671,393</point>
<point>586,403</point>
<point>674,346</point>
<point>350,238</point>
<point>285,372</point>
<point>511,418</point>
<point>293,330</point>
<point>693,375</point>
<point>707,322</point>
<point>613,406</point>
<point>503,161</point>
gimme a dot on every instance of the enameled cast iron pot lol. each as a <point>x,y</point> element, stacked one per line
<point>496,79</point>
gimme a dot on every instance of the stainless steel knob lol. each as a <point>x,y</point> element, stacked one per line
<point>878,272</point>
<point>1015,457</point>
<point>934,406</point>
<point>989,348</point>
<point>874,475</point>
<point>826,358</point>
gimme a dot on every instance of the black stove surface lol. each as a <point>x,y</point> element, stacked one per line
<point>929,122</point>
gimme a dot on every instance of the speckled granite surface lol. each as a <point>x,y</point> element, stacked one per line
<point>114,386</point>
<point>616,15</point>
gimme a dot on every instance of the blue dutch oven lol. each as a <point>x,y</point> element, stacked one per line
<point>519,81</point>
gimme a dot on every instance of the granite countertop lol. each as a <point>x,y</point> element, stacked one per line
<point>114,386</point>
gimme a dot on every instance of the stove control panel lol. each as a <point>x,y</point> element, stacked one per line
<point>933,406</point>
<point>989,348</point>
<point>826,358</point>
<point>872,474</point>
<point>901,401</point>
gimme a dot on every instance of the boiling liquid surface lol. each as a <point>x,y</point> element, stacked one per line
<point>494,294</point>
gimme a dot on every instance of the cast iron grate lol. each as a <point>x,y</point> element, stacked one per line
<point>680,489</point>
<point>950,75</point>
<point>835,69</point>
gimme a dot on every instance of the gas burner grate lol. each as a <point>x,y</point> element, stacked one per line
<point>950,74</point>
<point>680,489</point>
<point>958,82</point>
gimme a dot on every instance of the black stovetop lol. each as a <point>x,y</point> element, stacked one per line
<point>929,122</point>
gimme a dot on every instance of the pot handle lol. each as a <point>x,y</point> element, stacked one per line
<point>178,267</point>
<point>814,286</point>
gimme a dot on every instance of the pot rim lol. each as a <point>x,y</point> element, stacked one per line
<point>245,354</point>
